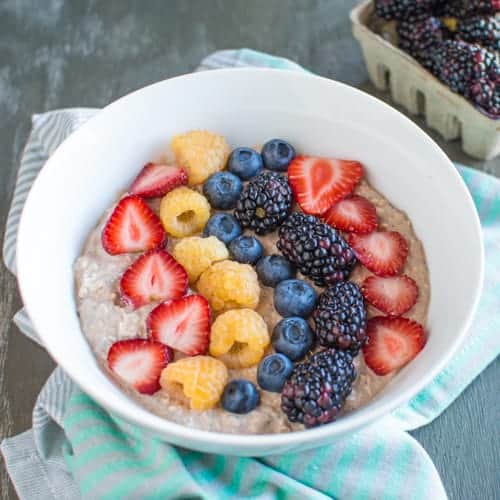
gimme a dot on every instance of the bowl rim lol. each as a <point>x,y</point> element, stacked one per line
<point>256,442</point>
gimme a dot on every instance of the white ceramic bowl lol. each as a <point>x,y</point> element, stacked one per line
<point>248,106</point>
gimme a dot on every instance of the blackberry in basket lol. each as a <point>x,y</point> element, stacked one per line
<point>482,30</point>
<point>402,9</point>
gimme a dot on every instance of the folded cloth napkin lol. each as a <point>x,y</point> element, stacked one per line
<point>77,449</point>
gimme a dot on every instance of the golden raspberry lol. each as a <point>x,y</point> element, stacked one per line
<point>229,285</point>
<point>239,338</point>
<point>184,212</point>
<point>201,153</point>
<point>202,378</point>
<point>196,254</point>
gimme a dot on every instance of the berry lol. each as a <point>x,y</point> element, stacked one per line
<point>382,252</point>
<point>294,298</point>
<point>315,392</point>
<point>393,296</point>
<point>154,276</point>
<point>459,64</point>
<point>419,37</point>
<point>240,396</point>
<point>246,249</point>
<point>273,371</point>
<point>184,212</point>
<point>486,95</point>
<point>225,227</point>
<point>265,203</point>
<point>245,163</point>
<point>229,285</point>
<point>201,153</point>
<point>482,30</point>
<point>318,183</point>
<point>277,155</point>
<point>197,254</point>
<point>139,362</point>
<point>474,7</point>
<point>353,214</point>
<point>274,268</point>
<point>392,343</point>
<point>402,9</point>
<point>132,227</point>
<point>156,180</point>
<point>202,379</point>
<point>223,190</point>
<point>183,324</point>
<point>340,317</point>
<point>292,337</point>
<point>239,338</point>
<point>318,251</point>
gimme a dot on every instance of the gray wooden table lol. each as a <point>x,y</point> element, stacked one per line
<point>87,53</point>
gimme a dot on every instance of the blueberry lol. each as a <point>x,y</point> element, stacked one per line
<point>246,249</point>
<point>245,163</point>
<point>273,371</point>
<point>294,298</point>
<point>223,190</point>
<point>277,155</point>
<point>223,226</point>
<point>273,269</point>
<point>292,337</point>
<point>240,396</point>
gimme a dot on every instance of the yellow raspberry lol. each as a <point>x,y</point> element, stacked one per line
<point>184,212</point>
<point>201,153</point>
<point>229,285</point>
<point>202,378</point>
<point>239,338</point>
<point>196,254</point>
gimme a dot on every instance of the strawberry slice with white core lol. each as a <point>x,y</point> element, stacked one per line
<point>382,252</point>
<point>353,214</point>
<point>139,362</point>
<point>317,183</point>
<point>157,179</point>
<point>394,295</point>
<point>154,276</point>
<point>183,324</point>
<point>132,227</point>
<point>392,343</point>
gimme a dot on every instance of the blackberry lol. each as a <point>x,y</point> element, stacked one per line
<point>474,7</point>
<point>316,249</point>
<point>457,64</point>
<point>264,203</point>
<point>340,317</point>
<point>419,37</point>
<point>482,30</point>
<point>315,392</point>
<point>485,94</point>
<point>402,9</point>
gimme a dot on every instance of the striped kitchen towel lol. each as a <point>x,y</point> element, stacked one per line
<point>77,449</point>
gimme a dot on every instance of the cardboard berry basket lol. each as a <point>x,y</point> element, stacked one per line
<point>415,88</point>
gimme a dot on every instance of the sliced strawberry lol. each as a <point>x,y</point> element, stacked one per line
<point>353,214</point>
<point>139,362</point>
<point>183,324</point>
<point>156,179</point>
<point>392,342</point>
<point>132,227</point>
<point>318,183</point>
<point>382,252</point>
<point>156,275</point>
<point>393,296</point>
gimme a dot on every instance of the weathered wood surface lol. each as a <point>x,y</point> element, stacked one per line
<point>87,53</point>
